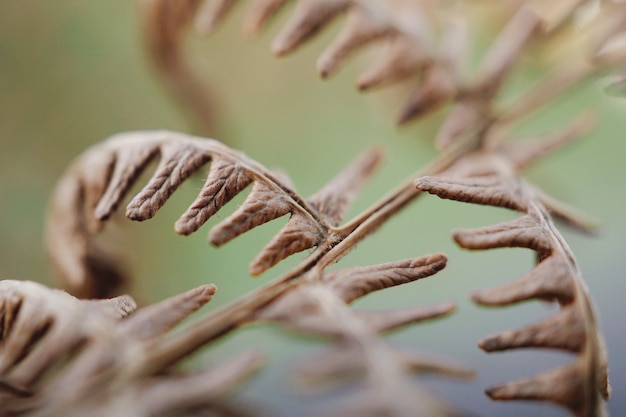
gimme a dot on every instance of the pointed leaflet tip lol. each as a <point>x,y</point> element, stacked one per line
<point>401,60</point>
<point>309,17</point>
<point>333,200</point>
<point>297,235</point>
<point>226,179</point>
<point>157,319</point>
<point>40,326</point>
<point>353,283</point>
<point>127,167</point>
<point>489,190</point>
<point>548,280</point>
<point>178,162</point>
<point>565,386</point>
<point>263,204</point>
<point>563,330</point>
<point>359,29</point>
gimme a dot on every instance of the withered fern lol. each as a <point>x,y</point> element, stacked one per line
<point>119,361</point>
<point>306,298</point>
<point>490,177</point>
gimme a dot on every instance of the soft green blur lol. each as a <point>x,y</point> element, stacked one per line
<point>72,73</point>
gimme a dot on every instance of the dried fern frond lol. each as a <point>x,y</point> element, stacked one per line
<point>170,395</point>
<point>408,51</point>
<point>96,183</point>
<point>40,327</point>
<point>319,306</point>
<point>133,380</point>
<point>164,24</point>
<point>302,309</point>
<point>302,297</point>
<point>52,341</point>
<point>426,40</point>
<point>582,386</point>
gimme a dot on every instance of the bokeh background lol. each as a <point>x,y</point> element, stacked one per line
<point>73,73</point>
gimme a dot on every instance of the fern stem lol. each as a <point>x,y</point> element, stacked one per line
<point>222,321</point>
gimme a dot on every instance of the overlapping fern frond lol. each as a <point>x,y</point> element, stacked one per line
<point>490,177</point>
<point>307,298</point>
<point>428,41</point>
<point>124,362</point>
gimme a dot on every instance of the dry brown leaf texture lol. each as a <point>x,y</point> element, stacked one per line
<point>90,193</point>
<point>582,386</point>
<point>125,365</point>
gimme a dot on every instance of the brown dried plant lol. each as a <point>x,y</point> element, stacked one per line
<point>124,362</point>
<point>307,298</point>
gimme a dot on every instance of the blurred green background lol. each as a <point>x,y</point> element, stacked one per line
<point>73,73</point>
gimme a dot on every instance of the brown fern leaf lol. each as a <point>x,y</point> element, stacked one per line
<point>308,18</point>
<point>168,395</point>
<point>360,29</point>
<point>318,307</point>
<point>367,21</point>
<point>40,326</point>
<point>569,214</point>
<point>381,395</point>
<point>116,351</point>
<point>353,283</point>
<point>474,108</point>
<point>155,320</point>
<point>548,280</point>
<point>475,177</point>
<point>480,190</point>
<point>189,392</point>
<point>563,386</point>
<point>342,362</point>
<point>427,40</point>
<point>51,340</point>
<point>300,307</point>
<point>164,29</point>
<point>411,50</point>
<point>581,386</point>
<point>89,194</point>
<point>315,303</point>
<point>524,232</point>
